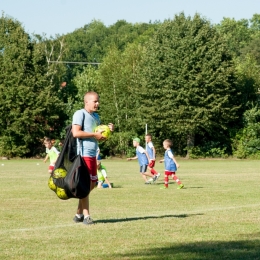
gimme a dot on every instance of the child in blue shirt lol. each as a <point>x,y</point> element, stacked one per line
<point>170,165</point>
<point>143,159</point>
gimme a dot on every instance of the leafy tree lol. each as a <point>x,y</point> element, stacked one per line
<point>29,105</point>
<point>247,141</point>
<point>117,87</point>
<point>187,81</point>
<point>236,33</point>
<point>255,23</point>
<point>248,81</point>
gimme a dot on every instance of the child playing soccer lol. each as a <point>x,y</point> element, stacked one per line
<point>143,159</point>
<point>102,175</point>
<point>52,153</point>
<point>151,152</point>
<point>170,164</point>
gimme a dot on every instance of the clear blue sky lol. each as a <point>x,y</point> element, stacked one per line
<point>63,16</point>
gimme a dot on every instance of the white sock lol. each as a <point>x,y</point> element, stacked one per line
<point>86,216</point>
<point>79,215</point>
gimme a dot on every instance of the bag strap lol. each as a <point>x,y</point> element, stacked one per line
<point>80,140</point>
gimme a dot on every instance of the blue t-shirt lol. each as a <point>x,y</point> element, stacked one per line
<point>169,164</point>
<point>149,149</point>
<point>88,122</point>
<point>142,158</point>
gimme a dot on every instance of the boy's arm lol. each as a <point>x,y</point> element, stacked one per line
<point>46,158</point>
<point>132,158</point>
<point>78,133</point>
<point>154,152</point>
<point>107,181</point>
<point>162,160</point>
<point>147,155</point>
<point>173,158</point>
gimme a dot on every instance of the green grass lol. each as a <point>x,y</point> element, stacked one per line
<point>216,216</point>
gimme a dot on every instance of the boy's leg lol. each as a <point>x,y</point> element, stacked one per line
<point>155,174</point>
<point>175,177</point>
<point>143,172</point>
<point>83,205</point>
<point>51,168</point>
<point>166,179</point>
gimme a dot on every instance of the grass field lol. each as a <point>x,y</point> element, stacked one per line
<point>216,215</point>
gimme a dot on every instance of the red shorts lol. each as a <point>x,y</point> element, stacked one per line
<point>91,163</point>
<point>51,167</point>
<point>168,173</point>
<point>151,164</point>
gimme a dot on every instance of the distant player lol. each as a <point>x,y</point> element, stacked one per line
<point>51,152</point>
<point>170,164</point>
<point>151,152</point>
<point>143,159</point>
<point>102,175</point>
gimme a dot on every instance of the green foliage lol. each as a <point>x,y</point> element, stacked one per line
<point>248,80</point>
<point>187,80</point>
<point>208,150</point>
<point>120,144</point>
<point>246,144</point>
<point>236,34</point>
<point>29,105</point>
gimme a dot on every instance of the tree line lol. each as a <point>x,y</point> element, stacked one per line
<point>187,79</point>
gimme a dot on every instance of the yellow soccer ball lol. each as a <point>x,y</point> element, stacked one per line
<point>61,193</point>
<point>104,129</point>
<point>51,184</point>
<point>59,173</point>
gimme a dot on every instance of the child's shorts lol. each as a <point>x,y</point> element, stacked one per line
<point>151,164</point>
<point>169,173</point>
<point>51,167</point>
<point>143,169</point>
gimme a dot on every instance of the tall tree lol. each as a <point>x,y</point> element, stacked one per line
<point>29,105</point>
<point>236,33</point>
<point>188,83</point>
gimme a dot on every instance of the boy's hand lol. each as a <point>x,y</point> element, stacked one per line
<point>128,159</point>
<point>111,127</point>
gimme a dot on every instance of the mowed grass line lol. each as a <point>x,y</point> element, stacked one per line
<point>216,216</point>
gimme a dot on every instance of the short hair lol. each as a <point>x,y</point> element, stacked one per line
<point>149,135</point>
<point>90,93</point>
<point>168,141</point>
<point>46,139</point>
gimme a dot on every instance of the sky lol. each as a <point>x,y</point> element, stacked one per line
<point>52,17</point>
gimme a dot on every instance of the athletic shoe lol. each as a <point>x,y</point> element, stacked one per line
<point>147,182</point>
<point>150,180</point>
<point>77,220</point>
<point>181,186</point>
<point>156,177</point>
<point>88,221</point>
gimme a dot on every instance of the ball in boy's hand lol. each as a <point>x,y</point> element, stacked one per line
<point>104,129</point>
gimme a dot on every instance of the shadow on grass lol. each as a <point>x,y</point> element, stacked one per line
<point>144,218</point>
<point>196,187</point>
<point>238,250</point>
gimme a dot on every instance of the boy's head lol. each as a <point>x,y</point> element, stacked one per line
<point>136,141</point>
<point>47,142</point>
<point>167,143</point>
<point>148,138</point>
